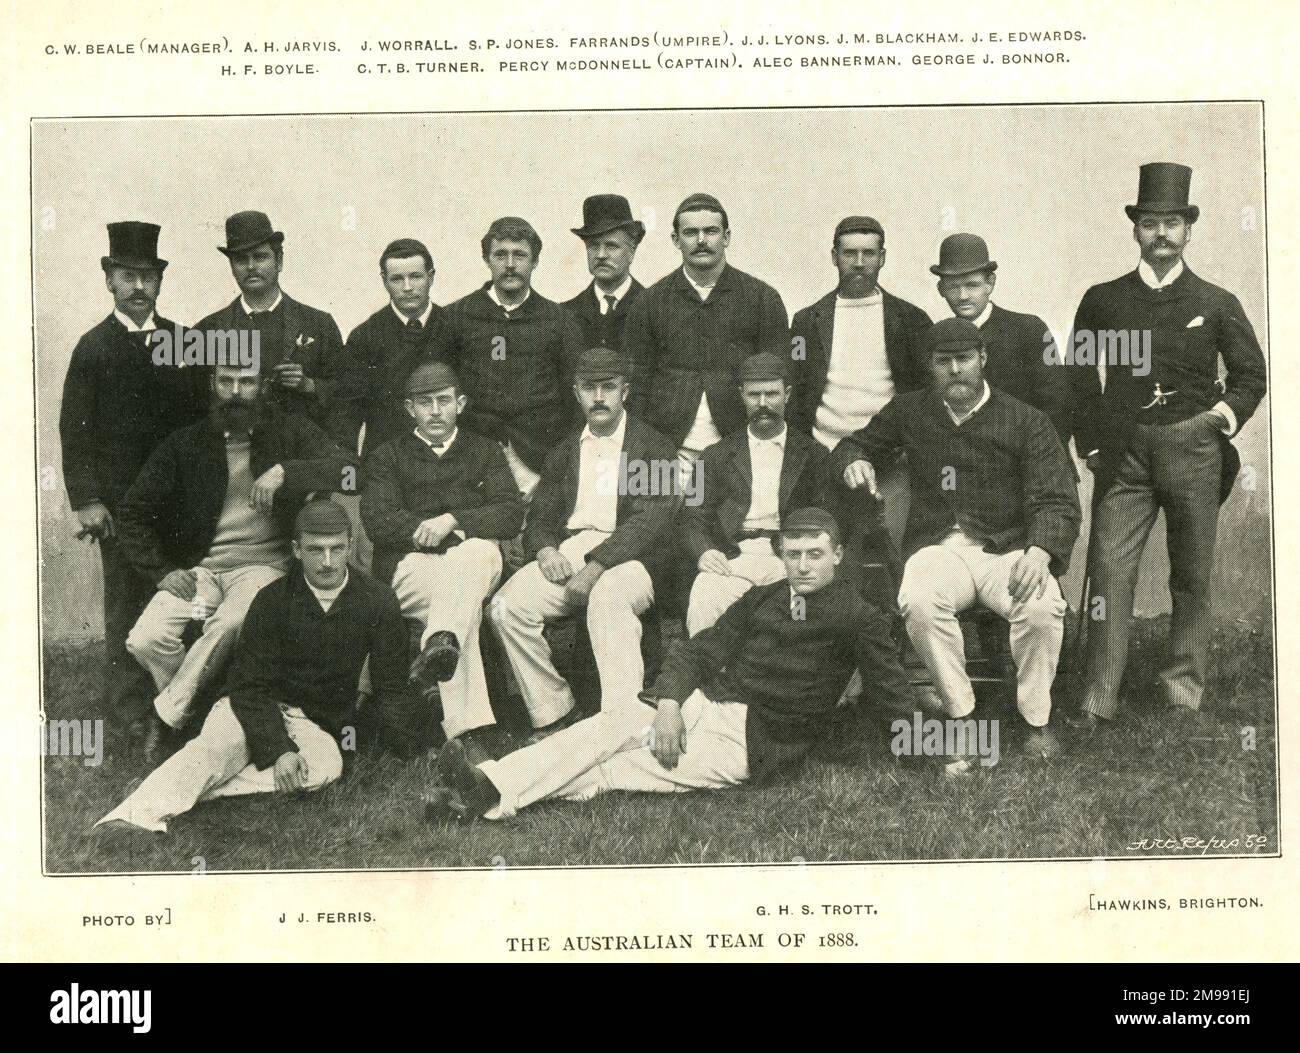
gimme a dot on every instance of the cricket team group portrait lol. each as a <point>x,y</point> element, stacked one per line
<point>695,487</point>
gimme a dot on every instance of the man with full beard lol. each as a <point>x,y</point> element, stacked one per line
<point>208,521</point>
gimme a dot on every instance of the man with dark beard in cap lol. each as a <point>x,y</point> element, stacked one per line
<point>208,521</point>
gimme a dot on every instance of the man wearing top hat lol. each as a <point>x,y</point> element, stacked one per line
<point>687,334</point>
<point>599,533</point>
<point>118,405</point>
<point>299,347</point>
<point>436,503</point>
<point>1022,356</point>
<point>611,236</point>
<point>853,350</point>
<point>993,520</point>
<point>291,698</point>
<point>747,483</point>
<point>743,701</point>
<point>1157,437</point>
<point>514,352</point>
<point>383,350</point>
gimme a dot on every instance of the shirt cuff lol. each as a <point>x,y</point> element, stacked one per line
<point>1231,427</point>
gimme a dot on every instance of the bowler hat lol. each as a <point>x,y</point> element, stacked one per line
<point>954,334</point>
<point>963,254</point>
<point>858,225</point>
<point>602,213</point>
<point>133,244</point>
<point>600,363</point>
<point>430,376</point>
<point>247,230</point>
<point>763,366</point>
<point>1164,187</point>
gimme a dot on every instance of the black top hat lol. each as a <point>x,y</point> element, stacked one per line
<point>247,230</point>
<point>602,213</point>
<point>133,244</point>
<point>600,363</point>
<point>1164,187</point>
<point>963,254</point>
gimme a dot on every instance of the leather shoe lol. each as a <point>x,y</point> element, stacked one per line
<point>437,663</point>
<point>572,717</point>
<point>159,742</point>
<point>1042,744</point>
<point>457,771</point>
<point>118,833</point>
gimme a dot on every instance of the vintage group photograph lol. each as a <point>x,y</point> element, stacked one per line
<point>628,488</point>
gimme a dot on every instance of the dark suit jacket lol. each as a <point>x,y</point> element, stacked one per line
<point>309,336</point>
<point>602,330</point>
<point>813,333</point>
<point>1018,346</point>
<point>1184,358</point>
<point>169,516</point>
<point>379,356</point>
<point>117,407</point>
<point>725,481</point>
<point>680,347</point>
<point>644,521</point>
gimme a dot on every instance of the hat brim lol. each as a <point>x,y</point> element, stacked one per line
<point>627,224</point>
<point>1190,213</point>
<point>134,265</point>
<point>276,239</point>
<point>953,272</point>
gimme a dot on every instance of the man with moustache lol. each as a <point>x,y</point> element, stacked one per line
<point>1022,357</point>
<point>118,405</point>
<point>748,482</point>
<point>208,520</point>
<point>514,351</point>
<point>599,535</point>
<point>436,503</point>
<point>611,236</point>
<point>383,350</point>
<point>1157,437</point>
<point>292,689</point>
<point>300,348</point>
<point>853,350</point>
<point>993,520</point>
<point>744,701</point>
<point>687,335</point>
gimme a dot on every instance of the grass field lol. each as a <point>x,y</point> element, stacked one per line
<point>1141,778</point>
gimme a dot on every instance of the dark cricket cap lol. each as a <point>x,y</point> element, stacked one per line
<point>858,225</point>
<point>763,366</point>
<point>699,202</point>
<point>322,516</point>
<point>811,521</point>
<point>600,363</point>
<point>430,376</point>
<point>954,334</point>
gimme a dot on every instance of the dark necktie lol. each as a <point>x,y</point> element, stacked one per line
<point>414,327</point>
<point>610,301</point>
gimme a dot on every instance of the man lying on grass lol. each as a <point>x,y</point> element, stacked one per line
<point>773,666</point>
<point>293,688</point>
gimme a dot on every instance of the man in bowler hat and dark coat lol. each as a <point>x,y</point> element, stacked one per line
<point>118,405</point>
<point>1157,437</point>
<point>1022,354</point>
<point>300,347</point>
<point>611,236</point>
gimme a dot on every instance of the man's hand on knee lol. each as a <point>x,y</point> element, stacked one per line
<point>180,583</point>
<point>555,568</point>
<point>580,585</point>
<point>713,562</point>
<point>1030,575</point>
<point>668,733</point>
<point>290,772</point>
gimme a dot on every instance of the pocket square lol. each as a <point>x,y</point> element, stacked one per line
<point>1197,321</point>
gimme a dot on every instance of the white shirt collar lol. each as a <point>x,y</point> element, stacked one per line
<point>1150,280</point>
<point>424,318</point>
<point>248,310</point>
<point>776,440</point>
<point>703,290</point>
<point>618,293</point>
<point>985,315</point>
<point>974,409</point>
<point>327,596</point>
<point>443,447</point>
<point>492,294</point>
<point>149,323</point>
<point>616,436</point>
<point>872,299</point>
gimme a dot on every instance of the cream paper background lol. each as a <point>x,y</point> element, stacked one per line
<point>939,911</point>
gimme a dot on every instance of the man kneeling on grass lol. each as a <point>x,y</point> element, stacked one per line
<point>293,688</point>
<point>774,665</point>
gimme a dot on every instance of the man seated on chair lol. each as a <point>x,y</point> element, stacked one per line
<point>773,666</point>
<point>208,521</point>
<point>746,483</point>
<point>293,687</point>
<point>993,520</point>
<point>436,502</point>
<point>599,529</point>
